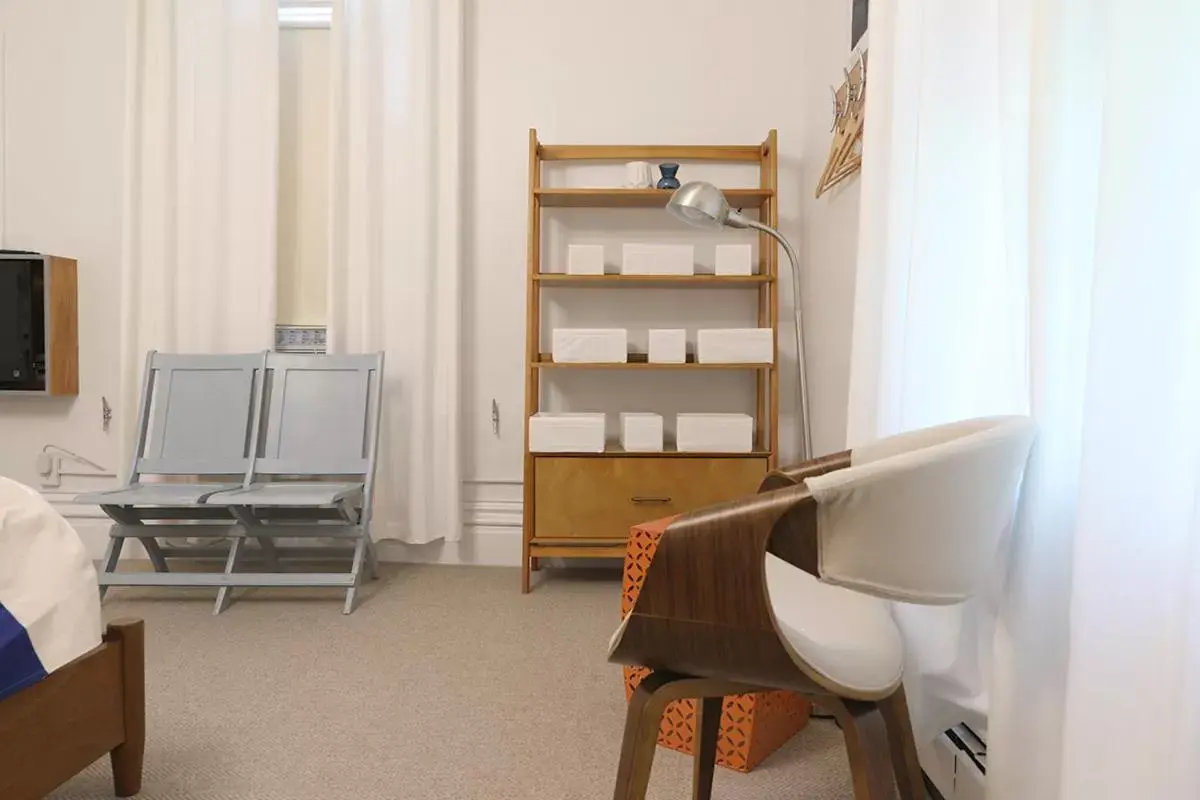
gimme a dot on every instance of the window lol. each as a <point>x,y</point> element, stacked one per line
<point>303,201</point>
<point>305,13</point>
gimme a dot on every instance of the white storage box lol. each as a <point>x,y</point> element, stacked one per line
<point>585,259</point>
<point>714,433</point>
<point>590,345</point>
<point>735,346</point>
<point>658,259</point>
<point>642,432</point>
<point>734,259</point>
<point>566,433</point>
<point>667,346</point>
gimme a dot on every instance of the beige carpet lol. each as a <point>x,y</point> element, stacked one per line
<point>445,683</point>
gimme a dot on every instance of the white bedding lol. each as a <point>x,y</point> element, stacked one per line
<point>49,598</point>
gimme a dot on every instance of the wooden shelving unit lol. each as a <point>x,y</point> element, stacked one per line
<point>581,505</point>
<point>638,198</point>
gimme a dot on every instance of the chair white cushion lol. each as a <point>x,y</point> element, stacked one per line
<point>847,639</point>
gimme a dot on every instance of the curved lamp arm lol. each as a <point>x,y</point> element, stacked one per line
<point>801,366</point>
<point>700,204</point>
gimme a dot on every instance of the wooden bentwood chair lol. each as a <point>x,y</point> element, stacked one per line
<point>790,589</point>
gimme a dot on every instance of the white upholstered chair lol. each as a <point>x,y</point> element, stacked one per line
<point>790,589</point>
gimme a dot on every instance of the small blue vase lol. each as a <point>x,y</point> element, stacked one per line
<point>668,179</point>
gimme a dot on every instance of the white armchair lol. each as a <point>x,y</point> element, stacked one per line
<point>790,589</point>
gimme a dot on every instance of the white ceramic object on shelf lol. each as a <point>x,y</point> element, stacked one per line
<point>590,345</point>
<point>667,346</point>
<point>734,259</point>
<point>641,432</point>
<point>658,259</point>
<point>714,433</point>
<point>735,346</point>
<point>566,432</point>
<point>585,259</point>
<point>639,175</point>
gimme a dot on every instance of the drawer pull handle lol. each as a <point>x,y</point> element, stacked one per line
<point>651,499</point>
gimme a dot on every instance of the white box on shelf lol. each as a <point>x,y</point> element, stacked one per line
<point>734,259</point>
<point>641,432</point>
<point>735,346</point>
<point>667,346</point>
<point>585,259</point>
<point>658,259</point>
<point>590,345</point>
<point>714,433</point>
<point>566,433</point>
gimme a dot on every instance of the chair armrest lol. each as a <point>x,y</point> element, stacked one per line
<point>703,608</point>
<point>796,473</point>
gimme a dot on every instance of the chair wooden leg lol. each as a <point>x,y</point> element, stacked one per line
<point>903,746</point>
<point>867,745</point>
<point>708,731</point>
<point>641,737</point>
<point>525,573</point>
<point>535,564</point>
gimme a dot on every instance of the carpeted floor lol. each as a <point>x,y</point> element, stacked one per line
<point>445,683</point>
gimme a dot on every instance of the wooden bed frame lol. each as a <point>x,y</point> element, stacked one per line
<point>94,705</point>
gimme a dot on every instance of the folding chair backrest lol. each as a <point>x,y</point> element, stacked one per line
<point>199,414</point>
<point>322,415</point>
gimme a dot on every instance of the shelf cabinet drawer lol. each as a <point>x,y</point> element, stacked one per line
<point>601,498</point>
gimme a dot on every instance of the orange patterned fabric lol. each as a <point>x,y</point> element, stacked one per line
<point>752,725</point>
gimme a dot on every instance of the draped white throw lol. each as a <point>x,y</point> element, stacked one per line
<point>395,271</point>
<point>201,138</point>
<point>1030,243</point>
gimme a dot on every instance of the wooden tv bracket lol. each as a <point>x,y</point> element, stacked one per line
<point>59,300</point>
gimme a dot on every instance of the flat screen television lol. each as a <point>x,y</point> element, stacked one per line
<point>22,322</point>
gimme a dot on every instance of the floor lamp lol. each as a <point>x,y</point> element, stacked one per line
<point>704,206</point>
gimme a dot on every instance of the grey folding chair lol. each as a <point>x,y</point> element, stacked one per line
<point>198,417</point>
<point>314,472</point>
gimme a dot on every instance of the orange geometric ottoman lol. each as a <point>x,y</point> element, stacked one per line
<point>752,725</point>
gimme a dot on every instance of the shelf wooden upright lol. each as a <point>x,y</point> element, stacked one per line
<point>583,505</point>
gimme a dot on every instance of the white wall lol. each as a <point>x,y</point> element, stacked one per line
<point>829,241</point>
<point>609,73</point>
<point>62,128</point>
<point>635,72</point>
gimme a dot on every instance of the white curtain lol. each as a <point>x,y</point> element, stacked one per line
<point>1030,242</point>
<point>395,266</point>
<point>201,134</point>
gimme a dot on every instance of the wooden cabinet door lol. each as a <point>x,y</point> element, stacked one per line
<point>601,498</point>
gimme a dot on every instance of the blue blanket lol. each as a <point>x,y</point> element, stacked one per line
<point>19,663</point>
